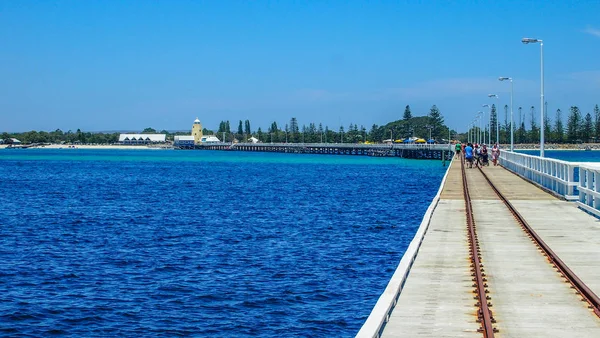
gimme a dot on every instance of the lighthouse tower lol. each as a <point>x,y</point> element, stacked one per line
<point>197,131</point>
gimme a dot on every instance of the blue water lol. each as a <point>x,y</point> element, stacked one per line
<point>167,243</point>
<point>568,155</point>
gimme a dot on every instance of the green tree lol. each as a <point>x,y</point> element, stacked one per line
<point>247,128</point>
<point>521,132</point>
<point>559,133</point>
<point>294,135</point>
<point>145,131</point>
<point>534,134</point>
<point>493,122</point>
<point>260,135</point>
<point>240,130</point>
<point>573,124</point>
<point>587,129</point>
<point>407,114</point>
<point>437,122</point>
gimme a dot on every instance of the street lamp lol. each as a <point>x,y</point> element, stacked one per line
<point>511,111</point>
<point>481,117</point>
<point>489,124</point>
<point>528,41</point>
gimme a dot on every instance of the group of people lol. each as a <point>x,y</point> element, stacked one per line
<point>478,154</point>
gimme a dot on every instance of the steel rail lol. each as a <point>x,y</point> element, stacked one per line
<point>582,289</point>
<point>484,316</point>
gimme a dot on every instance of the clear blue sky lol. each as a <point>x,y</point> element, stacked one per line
<point>114,65</point>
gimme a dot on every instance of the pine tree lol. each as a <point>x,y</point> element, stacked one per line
<point>559,133</point>
<point>294,130</point>
<point>587,129</point>
<point>493,122</point>
<point>407,114</point>
<point>247,127</point>
<point>240,130</point>
<point>573,124</point>
<point>534,134</point>
<point>437,122</point>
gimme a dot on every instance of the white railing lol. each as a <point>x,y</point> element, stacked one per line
<point>380,314</point>
<point>555,175</point>
<point>589,188</point>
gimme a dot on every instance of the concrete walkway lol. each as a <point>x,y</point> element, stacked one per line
<point>530,299</point>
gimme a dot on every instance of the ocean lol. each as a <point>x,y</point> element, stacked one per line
<point>201,243</point>
<point>568,155</point>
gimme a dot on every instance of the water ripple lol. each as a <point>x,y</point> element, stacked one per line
<point>146,243</point>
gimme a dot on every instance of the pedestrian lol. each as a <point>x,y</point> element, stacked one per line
<point>469,154</point>
<point>477,155</point>
<point>495,153</point>
<point>484,155</point>
<point>457,148</point>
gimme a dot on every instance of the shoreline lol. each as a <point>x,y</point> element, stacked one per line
<point>86,146</point>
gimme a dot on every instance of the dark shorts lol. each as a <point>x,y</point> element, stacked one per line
<point>458,151</point>
<point>469,159</point>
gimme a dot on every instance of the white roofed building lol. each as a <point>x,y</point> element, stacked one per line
<point>184,141</point>
<point>142,138</point>
<point>209,139</point>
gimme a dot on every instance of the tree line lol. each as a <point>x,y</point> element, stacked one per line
<point>579,128</point>
<point>428,126</point>
<point>431,125</point>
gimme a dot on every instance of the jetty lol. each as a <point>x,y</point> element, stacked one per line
<point>409,150</point>
<point>505,251</point>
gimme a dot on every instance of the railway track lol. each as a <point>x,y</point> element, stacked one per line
<point>484,300</point>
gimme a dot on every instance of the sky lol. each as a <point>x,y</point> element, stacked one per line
<point>128,65</point>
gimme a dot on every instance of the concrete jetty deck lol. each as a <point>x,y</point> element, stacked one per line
<point>529,298</point>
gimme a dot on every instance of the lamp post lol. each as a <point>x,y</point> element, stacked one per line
<point>489,129</point>
<point>497,123</point>
<point>512,139</point>
<point>481,136</point>
<point>528,41</point>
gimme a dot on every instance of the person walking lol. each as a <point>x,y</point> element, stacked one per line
<point>495,153</point>
<point>469,155</point>
<point>484,156</point>
<point>458,148</point>
<point>477,155</point>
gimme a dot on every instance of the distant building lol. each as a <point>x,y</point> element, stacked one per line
<point>253,140</point>
<point>197,131</point>
<point>184,141</point>
<point>197,137</point>
<point>14,141</point>
<point>142,138</point>
<point>210,139</point>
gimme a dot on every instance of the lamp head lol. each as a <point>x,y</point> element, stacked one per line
<point>530,40</point>
<point>493,95</point>
<point>486,105</point>
<point>503,78</point>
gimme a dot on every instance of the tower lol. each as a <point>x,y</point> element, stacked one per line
<point>197,131</point>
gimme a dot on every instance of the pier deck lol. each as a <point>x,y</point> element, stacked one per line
<point>529,298</point>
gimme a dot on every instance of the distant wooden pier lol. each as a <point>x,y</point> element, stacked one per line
<point>412,151</point>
